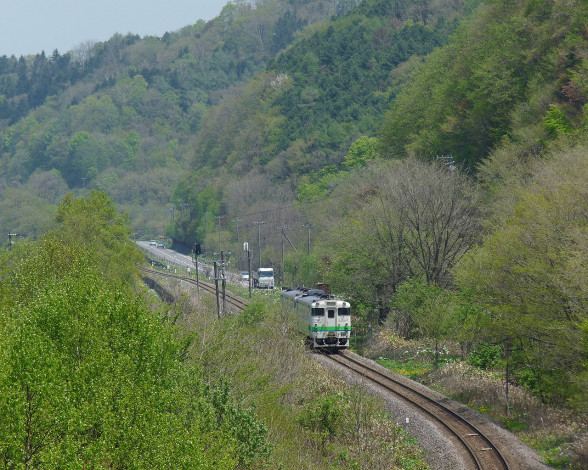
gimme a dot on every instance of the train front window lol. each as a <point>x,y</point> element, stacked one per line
<point>344,311</point>
<point>331,313</point>
<point>318,312</point>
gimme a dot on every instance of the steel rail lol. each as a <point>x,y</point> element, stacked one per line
<point>403,390</point>
<point>234,300</point>
<point>493,458</point>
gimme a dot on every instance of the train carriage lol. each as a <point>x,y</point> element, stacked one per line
<point>323,319</point>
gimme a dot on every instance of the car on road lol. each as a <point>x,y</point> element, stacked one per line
<point>244,275</point>
<point>160,245</point>
<point>152,243</point>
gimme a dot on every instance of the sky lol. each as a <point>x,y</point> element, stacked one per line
<point>31,26</point>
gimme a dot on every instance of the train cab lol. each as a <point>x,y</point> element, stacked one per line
<point>325,320</point>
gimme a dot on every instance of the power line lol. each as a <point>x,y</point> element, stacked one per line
<point>289,206</point>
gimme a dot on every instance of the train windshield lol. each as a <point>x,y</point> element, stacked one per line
<point>331,313</point>
<point>318,312</point>
<point>344,311</point>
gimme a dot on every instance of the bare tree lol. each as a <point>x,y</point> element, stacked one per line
<point>404,219</point>
<point>84,52</point>
<point>48,185</point>
<point>436,212</point>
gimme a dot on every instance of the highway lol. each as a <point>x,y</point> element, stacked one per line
<point>174,258</point>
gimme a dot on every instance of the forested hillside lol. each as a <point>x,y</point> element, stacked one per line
<point>121,115</point>
<point>471,175</point>
<point>298,119</point>
<point>426,158</point>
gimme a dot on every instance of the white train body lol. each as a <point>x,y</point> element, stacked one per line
<point>323,319</point>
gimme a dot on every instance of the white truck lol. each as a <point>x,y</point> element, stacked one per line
<point>263,278</point>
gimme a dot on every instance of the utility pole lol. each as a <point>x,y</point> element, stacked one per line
<point>284,235</point>
<point>219,217</point>
<point>195,252</point>
<point>259,224</point>
<point>216,279</point>
<point>206,228</point>
<point>282,270</point>
<point>238,242</point>
<point>237,223</point>
<point>308,226</point>
<point>249,280</point>
<point>223,280</point>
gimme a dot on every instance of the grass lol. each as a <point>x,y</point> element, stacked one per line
<point>559,435</point>
<point>409,369</point>
<point>314,418</point>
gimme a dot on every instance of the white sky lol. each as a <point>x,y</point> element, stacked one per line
<point>30,26</point>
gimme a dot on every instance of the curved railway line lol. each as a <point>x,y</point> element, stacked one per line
<point>478,449</point>
<point>237,303</point>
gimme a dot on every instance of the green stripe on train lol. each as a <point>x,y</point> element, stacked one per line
<point>329,328</point>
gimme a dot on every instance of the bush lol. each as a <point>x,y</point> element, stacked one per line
<point>485,356</point>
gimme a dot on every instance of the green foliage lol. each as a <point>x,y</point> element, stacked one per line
<point>424,309</point>
<point>401,219</point>
<point>319,184</point>
<point>361,151</point>
<point>253,313</point>
<point>579,399</point>
<point>138,95</point>
<point>94,222</point>
<point>485,356</point>
<point>555,122</point>
<point>365,48</point>
<point>526,276</point>
<point>247,433</point>
<point>90,375</point>
<point>130,91</point>
<point>22,211</point>
<point>301,269</point>
<point>460,101</point>
<point>323,417</point>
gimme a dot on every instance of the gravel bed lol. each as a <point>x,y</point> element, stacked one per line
<point>439,451</point>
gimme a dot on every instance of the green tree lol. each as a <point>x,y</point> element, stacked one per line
<point>130,91</point>
<point>90,374</point>
<point>555,121</point>
<point>94,222</point>
<point>361,151</point>
<point>460,101</point>
<point>530,276</point>
<point>428,308</point>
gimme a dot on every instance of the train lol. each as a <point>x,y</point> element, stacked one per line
<point>323,319</point>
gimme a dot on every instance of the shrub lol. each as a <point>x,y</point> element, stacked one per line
<point>485,356</point>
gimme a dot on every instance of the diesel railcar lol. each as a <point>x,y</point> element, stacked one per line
<point>323,319</point>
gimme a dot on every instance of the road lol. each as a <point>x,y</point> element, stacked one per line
<point>174,258</point>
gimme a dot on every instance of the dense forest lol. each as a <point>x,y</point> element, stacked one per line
<point>425,158</point>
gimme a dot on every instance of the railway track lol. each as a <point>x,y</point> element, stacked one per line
<point>235,302</point>
<point>476,448</point>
